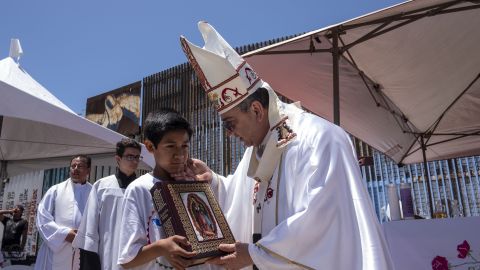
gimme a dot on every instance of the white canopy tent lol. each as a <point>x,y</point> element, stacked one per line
<point>404,78</point>
<point>38,131</point>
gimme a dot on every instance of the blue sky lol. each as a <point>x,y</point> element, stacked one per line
<point>79,49</point>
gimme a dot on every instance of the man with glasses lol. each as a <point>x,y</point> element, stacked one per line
<point>97,236</point>
<point>59,214</point>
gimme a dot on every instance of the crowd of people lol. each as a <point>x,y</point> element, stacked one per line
<point>295,201</point>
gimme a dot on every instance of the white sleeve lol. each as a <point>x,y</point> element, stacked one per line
<point>332,224</point>
<point>234,194</point>
<point>87,237</point>
<point>218,184</point>
<point>133,234</point>
<point>53,234</point>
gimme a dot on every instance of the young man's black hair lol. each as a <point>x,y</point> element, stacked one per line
<point>160,122</point>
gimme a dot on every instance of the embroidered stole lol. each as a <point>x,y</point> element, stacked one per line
<point>64,216</point>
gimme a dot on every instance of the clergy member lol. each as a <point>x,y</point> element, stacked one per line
<point>59,214</point>
<point>296,200</point>
<point>97,236</point>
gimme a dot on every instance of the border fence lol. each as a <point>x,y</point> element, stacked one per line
<point>179,88</point>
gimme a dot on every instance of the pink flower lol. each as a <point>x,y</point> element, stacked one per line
<point>463,249</point>
<point>440,263</point>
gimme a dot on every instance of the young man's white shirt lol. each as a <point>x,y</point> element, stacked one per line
<point>141,225</point>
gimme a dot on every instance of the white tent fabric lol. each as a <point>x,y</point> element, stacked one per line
<point>420,62</point>
<point>38,131</point>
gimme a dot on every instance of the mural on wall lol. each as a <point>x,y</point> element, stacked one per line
<point>118,110</point>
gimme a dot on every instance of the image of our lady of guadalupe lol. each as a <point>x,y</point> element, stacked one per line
<point>202,218</point>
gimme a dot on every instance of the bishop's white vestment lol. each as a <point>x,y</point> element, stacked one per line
<point>59,211</point>
<point>316,212</point>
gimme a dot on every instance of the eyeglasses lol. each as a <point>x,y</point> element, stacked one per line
<point>132,158</point>
<point>228,125</point>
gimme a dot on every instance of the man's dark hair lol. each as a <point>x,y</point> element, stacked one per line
<point>261,95</point>
<point>125,143</point>
<point>161,122</point>
<point>85,158</point>
<point>19,206</point>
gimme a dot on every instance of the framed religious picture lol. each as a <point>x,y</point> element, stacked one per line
<point>190,209</point>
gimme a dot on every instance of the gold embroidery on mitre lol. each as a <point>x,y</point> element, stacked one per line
<point>284,132</point>
<point>213,97</point>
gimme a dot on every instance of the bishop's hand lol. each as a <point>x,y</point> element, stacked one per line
<point>237,258</point>
<point>195,170</point>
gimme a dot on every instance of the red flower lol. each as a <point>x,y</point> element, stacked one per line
<point>440,263</point>
<point>463,249</point>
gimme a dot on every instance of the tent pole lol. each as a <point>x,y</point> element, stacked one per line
<point>427,175</point>
<point>336,77</point>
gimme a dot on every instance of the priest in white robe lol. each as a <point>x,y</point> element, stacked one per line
<point>296,200</point>
<point>59,214</point>
<point>100,227</point>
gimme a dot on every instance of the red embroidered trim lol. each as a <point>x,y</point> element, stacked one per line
<point>268,192</point>
<point>232,103</point>
<point>241,65</point>
<point>194,63</point>
<point>229,79</point>
<point>223,83</point>
<point>255,191</point>
<point>279,123</point>
<point>253,84</point>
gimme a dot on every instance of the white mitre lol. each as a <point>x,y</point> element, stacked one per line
<point>228,79</point>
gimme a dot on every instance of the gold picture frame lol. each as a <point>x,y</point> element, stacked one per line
<point>190,209</point>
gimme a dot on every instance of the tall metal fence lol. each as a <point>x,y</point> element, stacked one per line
<point>178,88</point>
<point>453,179</point>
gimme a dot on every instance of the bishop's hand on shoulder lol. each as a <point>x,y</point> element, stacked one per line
<point>194,170</point>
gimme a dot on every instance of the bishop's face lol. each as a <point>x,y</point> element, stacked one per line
<point>250,126</point>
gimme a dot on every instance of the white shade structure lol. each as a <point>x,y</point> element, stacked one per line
<point>400,79</point>
<point>38,131</point>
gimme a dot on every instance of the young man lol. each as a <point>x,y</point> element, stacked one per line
<point>97,236</point>
<point>15,232</point>
<point>59,214</point>
<point>296,200</point>
<point>142,241</point>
